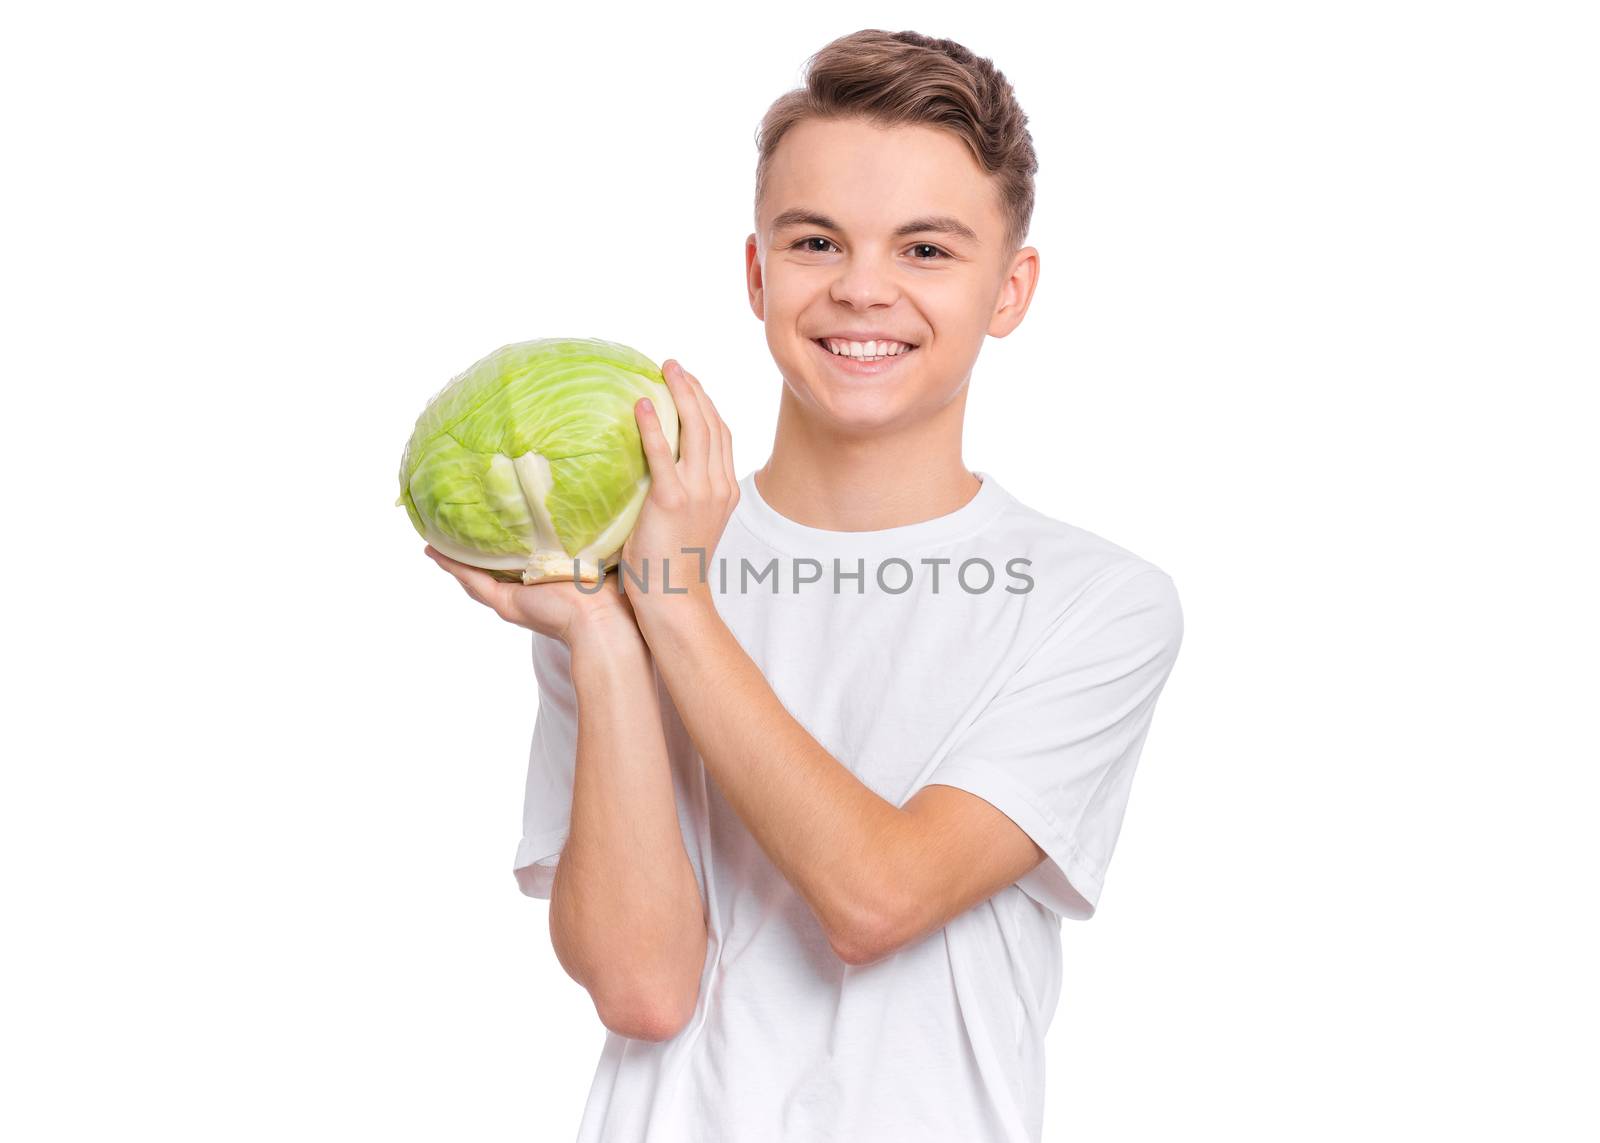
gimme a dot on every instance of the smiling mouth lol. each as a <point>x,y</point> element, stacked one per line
<point>822,344</point>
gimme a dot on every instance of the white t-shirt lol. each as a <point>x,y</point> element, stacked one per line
<point>1034,692</point>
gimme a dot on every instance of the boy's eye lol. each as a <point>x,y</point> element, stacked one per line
<point>810,249</point>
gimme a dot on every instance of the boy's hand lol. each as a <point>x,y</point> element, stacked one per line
<point>689,501</point>
<point>556,608</point>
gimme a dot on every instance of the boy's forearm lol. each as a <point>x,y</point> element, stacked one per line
<point>626,917</point>
<point>839,843</point>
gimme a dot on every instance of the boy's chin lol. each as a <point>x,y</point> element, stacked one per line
<point>862,412</point>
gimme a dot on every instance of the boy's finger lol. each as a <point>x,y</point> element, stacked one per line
<point>714,462</point>
<point>727,457</point>
<point>474,581</point>
<point>691,421</point>
<point>657,452</point>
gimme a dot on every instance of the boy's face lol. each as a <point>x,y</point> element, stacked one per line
<point>831,259</point>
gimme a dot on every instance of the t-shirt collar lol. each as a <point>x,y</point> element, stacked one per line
<point>795,539</point>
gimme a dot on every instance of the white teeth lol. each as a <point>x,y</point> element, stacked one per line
<point>866,350</point>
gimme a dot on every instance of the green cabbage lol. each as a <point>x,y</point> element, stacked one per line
<point>531,458</point>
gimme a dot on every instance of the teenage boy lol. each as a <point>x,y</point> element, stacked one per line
<point>808,822</point>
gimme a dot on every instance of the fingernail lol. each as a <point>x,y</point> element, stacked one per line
<point>648,407</point>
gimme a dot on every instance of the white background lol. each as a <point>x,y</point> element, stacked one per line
<point>1315,332</point>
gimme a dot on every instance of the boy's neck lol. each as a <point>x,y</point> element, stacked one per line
<point>864,484</point>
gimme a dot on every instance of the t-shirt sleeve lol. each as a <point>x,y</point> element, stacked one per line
<point>1056,748</point>
<point>552,762</point>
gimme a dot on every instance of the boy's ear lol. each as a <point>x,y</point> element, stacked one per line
<point>752,277</point>
<point>1016,292</point>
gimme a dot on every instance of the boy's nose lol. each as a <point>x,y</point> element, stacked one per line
<point>863,283</point>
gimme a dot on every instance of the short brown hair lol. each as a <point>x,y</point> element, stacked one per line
<point>892,78</point>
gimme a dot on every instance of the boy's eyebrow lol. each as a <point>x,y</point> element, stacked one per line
<point>937,223</point>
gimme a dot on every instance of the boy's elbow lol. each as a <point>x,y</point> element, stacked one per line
<point>650,1019</point>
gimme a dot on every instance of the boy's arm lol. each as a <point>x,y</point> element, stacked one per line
<point>876,876</point>
<point>626,917</point>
